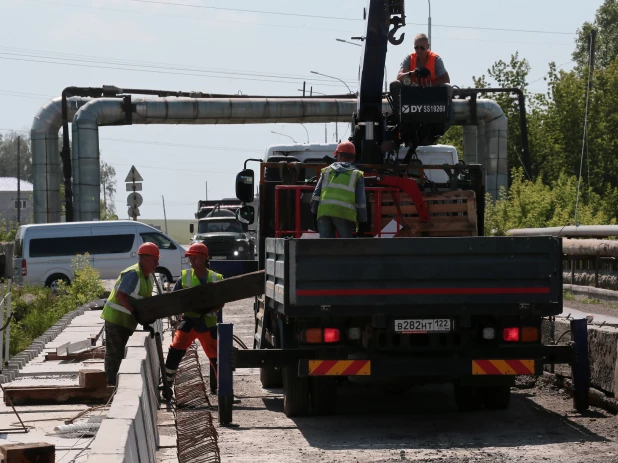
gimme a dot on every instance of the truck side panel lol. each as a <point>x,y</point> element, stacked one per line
<point>417,272</point>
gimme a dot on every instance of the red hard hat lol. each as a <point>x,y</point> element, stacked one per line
<point>148,249</point>
<point>197,249</point>
<point>345,147</point>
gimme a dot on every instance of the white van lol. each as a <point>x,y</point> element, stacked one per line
<point>44,252</point>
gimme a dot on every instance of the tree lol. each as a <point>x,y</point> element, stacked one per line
<point>108,188</point>
<point>8,157</point>
<point>606,23</point>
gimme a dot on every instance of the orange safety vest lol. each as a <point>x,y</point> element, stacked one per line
<point>431,65</point>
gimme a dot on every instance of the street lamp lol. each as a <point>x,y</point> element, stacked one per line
<point>305,131</point>
<point>359,45</point>
<point>336,78</point>
<point>429,24</point>
<point>279,133</point>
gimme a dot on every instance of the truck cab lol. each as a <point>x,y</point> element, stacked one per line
<point>225,237</point>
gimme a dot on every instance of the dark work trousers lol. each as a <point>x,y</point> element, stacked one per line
<point>116,338</point>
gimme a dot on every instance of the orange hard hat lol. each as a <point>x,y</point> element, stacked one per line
<point>148,249</point>
<point>197,249</point>
<point>346,147</point>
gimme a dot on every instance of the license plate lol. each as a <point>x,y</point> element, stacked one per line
<point>423,325</point>
<point>218,258</point>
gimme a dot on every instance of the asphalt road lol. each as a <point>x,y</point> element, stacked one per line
<point>421,425</point>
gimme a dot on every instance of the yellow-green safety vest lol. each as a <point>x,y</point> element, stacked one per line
<point>189,280</point>
<point>338,195</point>
<point>114,312</point>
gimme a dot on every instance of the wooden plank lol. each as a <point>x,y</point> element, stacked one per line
<point>39,452</point>
<point>99,354</point>
<point>433,208</point>
<point>201,298</point>
<point>57,394</point>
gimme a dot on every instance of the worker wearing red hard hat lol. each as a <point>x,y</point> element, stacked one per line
<point>338,202</point>
<point>195,325</point>
<point>134,283</point>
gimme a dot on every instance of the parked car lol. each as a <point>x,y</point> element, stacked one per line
<point>44,252</point>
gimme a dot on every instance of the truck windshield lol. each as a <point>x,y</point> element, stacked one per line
<point>216,226</point>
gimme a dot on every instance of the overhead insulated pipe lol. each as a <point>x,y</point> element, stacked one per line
<point>113,111</point>
<point>46,158</point>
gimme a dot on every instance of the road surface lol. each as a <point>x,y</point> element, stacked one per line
<point>421,425</point>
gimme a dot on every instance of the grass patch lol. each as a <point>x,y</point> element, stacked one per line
<point>567,295</point>
<point>591,300</point>
<point>36,308</point>
<point>177,229</point>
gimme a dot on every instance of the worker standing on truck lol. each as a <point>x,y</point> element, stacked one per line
<point>339,201</point>
<point>422,57</point>
<point>134,283</point>
<point>195,325</point>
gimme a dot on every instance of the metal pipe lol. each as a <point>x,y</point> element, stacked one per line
<point>571,231</point>
<point>113,111</point>
<point>46,158</point>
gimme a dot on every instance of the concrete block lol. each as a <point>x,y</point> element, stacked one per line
<point>40,452</point>
<point>92,378</point>
<point>116,437</point>
<point>603,348</point>
<point>127,406</point>
<point>131,366</point>
<point>138,339</point>
<point>135,353</point>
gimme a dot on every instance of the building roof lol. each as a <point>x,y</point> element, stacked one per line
<point>10,184</point>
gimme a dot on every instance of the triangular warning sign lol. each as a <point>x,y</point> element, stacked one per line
<point>133,176</point>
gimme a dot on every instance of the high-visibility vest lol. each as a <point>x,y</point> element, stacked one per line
<point>114,312</point>
<point>189,280</point>
<point>431,65</point>
<point>338,195</point>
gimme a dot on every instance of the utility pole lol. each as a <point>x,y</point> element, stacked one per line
<point>206,185</point>
<point>18,182</point>
<point>164,214</point>
<point>429,24</point>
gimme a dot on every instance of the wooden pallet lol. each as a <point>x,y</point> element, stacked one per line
<point>451,213</point>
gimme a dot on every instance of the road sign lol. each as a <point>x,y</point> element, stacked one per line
<point>133,176</point>
<point>134,199</point>
<point>134,187</point>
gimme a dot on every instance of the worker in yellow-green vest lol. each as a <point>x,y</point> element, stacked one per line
<point>338,201</point>
<point>195,325</point>
<point>134,283</point>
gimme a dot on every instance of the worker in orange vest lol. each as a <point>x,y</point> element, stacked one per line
<point>422,58</point>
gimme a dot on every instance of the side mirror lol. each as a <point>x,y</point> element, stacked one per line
<point>191,228</point>
<point>244,186</point>
<point>246,215</point>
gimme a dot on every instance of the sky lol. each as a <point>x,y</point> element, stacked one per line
<point>266,47</point>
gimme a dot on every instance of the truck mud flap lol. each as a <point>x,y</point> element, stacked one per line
<point>232,268</point>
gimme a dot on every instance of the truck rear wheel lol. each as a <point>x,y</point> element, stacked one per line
<point>270,377</point>
<point>323,396</point>
<point>468,398</point>
<point>496,397</point>
<point>295,393</point>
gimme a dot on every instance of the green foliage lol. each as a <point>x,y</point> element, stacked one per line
<point>8,156</point>
<point>108,190</point>
<point>535,204</point>
<point>605,22</point>
<point>7,232</point>
<point>36,308</point>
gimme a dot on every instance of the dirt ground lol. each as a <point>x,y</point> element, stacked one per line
<point>590,306</point>
<point>421,425</point>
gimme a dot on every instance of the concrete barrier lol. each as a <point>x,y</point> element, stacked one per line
<point>602,353</point>
<point>131,423</point>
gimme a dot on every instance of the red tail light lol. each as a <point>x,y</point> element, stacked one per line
<point>24,268</point>
<point>511,334</point>
<point>331,335</point>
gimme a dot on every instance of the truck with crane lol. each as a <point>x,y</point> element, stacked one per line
<point>423,296</point>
